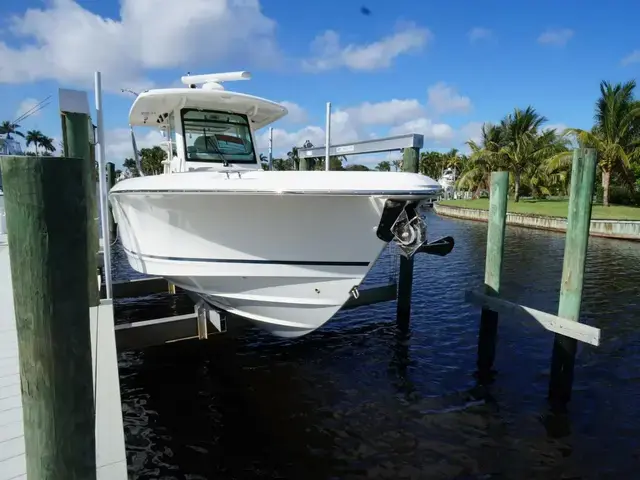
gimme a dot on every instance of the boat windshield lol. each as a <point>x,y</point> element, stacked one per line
<point>212,136</point>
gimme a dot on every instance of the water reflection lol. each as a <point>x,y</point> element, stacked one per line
<point>361,399</point>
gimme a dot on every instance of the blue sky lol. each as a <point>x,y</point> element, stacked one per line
<point>436,68</point>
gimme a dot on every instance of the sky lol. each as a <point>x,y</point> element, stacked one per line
<point>440,69</point>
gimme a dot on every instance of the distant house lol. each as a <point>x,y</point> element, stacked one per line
<point>9,146</point>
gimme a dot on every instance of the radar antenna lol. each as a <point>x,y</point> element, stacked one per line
<point>212,81</point>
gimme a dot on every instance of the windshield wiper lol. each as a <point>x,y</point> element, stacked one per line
<point>211,141</point>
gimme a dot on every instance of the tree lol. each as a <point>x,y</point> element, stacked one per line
<point>293,157</point>
<point>130,166</point>
<point>9,128</point>
<point>281,164</point>
<point>33,137</point>
<point>151,160</point>
<point>383,166</point>
<point>357,167</point>
<point>264,161</point>
<point>397,164</point>
<point>615,135</point>
<point>476,173</point>
<point>38,139</point>
<point>47,144</point>
<point>519,144</point>
<point>432,164</point>
<point>335,162</point>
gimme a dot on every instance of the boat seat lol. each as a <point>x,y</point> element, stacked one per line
<point>200,145</point>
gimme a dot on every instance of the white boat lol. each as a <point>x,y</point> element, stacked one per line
<point>283,249</point>
<point>448,182</point>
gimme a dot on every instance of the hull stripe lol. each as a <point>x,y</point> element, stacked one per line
<point>251,261</point>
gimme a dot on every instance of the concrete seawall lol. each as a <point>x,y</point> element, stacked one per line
<point>620,229</point>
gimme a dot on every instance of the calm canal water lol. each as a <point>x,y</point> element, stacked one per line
<point>357,400</point>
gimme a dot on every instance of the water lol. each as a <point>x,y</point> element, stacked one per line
<point>358,400</point>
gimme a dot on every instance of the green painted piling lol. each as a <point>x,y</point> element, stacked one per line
<point>48,254</point>
<point>575,255</point>
<point>488,333</point>
<point>111,181</point>
<point>410,158</point>
<point>75,133</point>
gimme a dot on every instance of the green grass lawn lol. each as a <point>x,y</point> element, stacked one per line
<point>551,208</point>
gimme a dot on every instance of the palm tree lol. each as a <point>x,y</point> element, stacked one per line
<point>522,145</point>
<point>432,164</point>
<point>615,135</point>
<point>47,144</point>
<point>10,128</point>
<point>293,157</point>
<point>484,159</point>
<point>35,137</point>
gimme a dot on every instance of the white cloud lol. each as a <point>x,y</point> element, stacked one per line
<point>393,117</point>
<point>386,113</point>
<point>557,37</point>
<point>328,53</point>
<point>471,131</point>
<point>479,33</point>
<point>343,129</point>
<point>347,125</point>
<point>296,114</point>
<point>25,106</point>
<point>559,127</point>
<point>444,99</point>
<point>433,131</point>
<point>118,145</point>
<point>67,43</point>
<point>633,57</point>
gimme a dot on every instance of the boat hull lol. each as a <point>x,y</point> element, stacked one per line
<point>287,263</point>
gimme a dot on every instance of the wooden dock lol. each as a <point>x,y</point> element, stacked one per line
<point>110,451</point>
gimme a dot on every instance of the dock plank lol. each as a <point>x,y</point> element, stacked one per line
<point>110,449</point>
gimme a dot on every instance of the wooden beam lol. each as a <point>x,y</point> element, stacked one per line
<point>553,323</point>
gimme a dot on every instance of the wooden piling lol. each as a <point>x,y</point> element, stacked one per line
<point>575,255</point>
<point>111,181</point>
<point>75,139</point>
<point>488,332</point>
<point>410,163</point>
<point>49,253</point>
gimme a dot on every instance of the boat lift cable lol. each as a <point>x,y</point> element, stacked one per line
<point>36,108</point>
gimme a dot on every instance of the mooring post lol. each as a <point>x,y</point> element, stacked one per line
<point>75,139</point>
<point>583,172</point>
<point>410,163</point>
<point>488,332</point>
<point>111,181</point>
<point>48,255</point>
